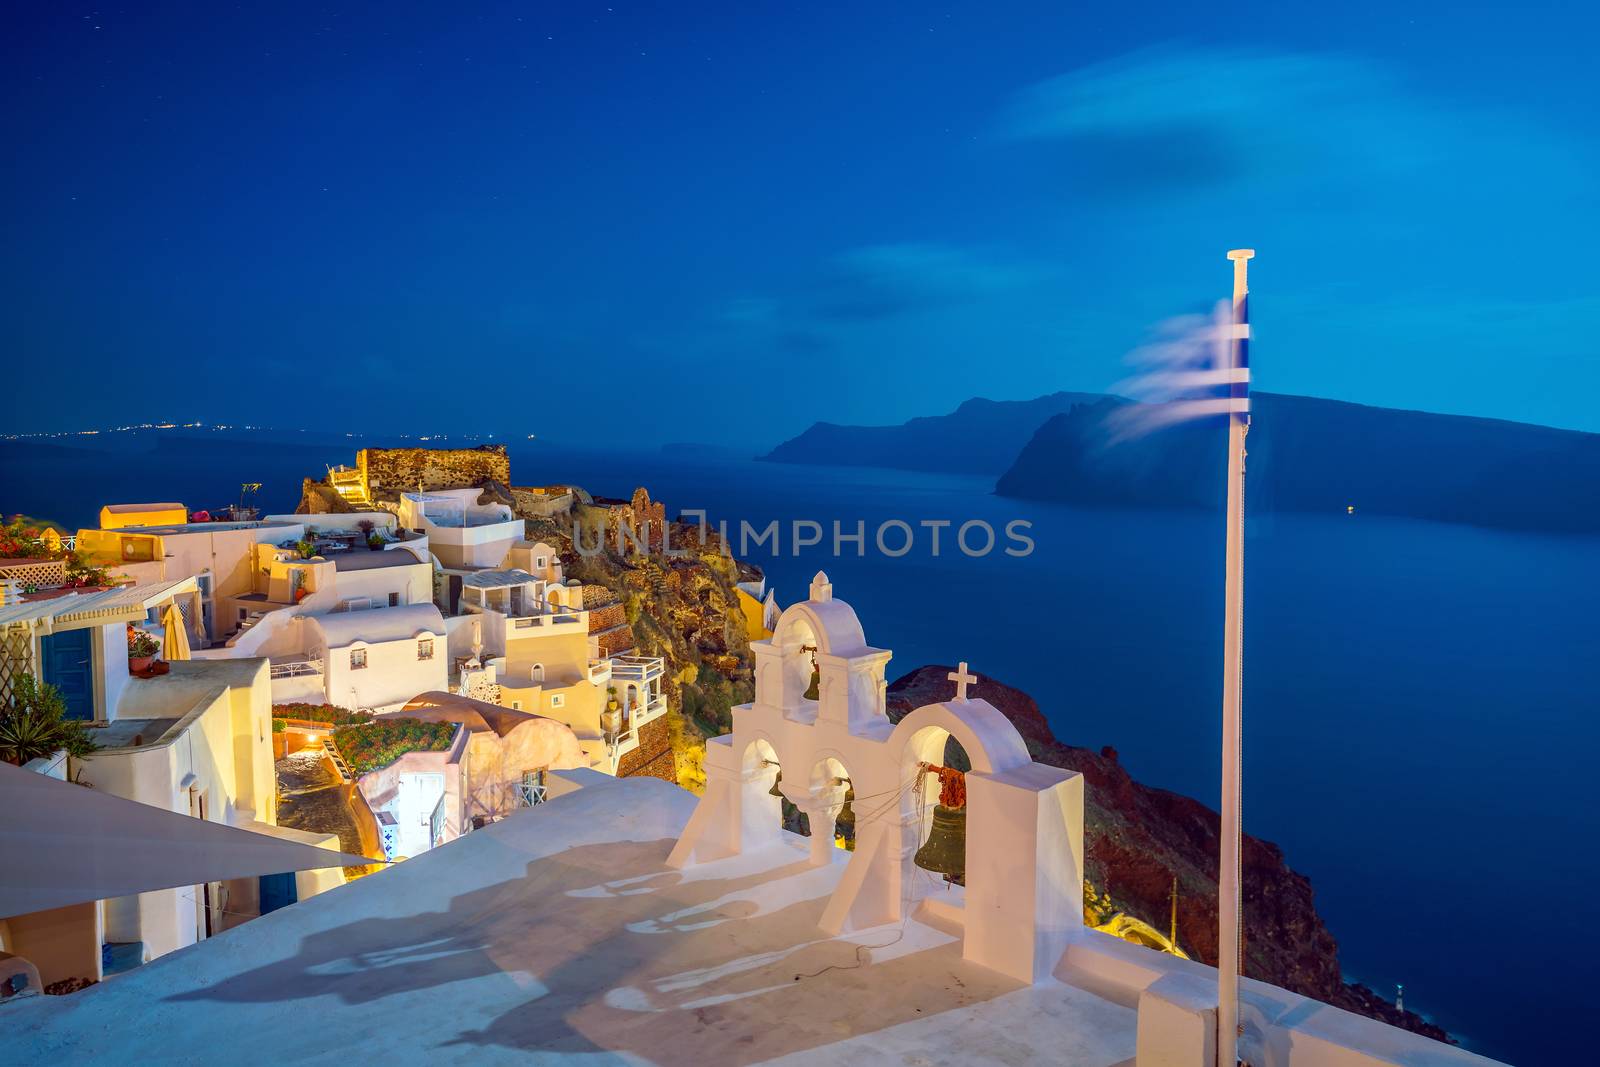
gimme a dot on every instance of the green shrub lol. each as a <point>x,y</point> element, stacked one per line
<point>372,745</point>
<point>34,723</point>
<point>329,713</point>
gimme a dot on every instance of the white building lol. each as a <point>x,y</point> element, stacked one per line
<point>246,570</point>
<point>497,762</point>
<point>464,533</point>
<point>196,741</point>
<point>375,660</point>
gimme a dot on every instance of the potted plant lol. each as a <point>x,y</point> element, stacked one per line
<point>142,649</point>
<point>34,723</point>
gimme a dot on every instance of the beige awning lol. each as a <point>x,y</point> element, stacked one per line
<point>65,844</point>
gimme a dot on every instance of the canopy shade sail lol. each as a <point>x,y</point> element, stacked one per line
<point>63,844</point>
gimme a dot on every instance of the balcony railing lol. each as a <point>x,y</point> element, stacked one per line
<point>637,668</point>
<point>296,668</point>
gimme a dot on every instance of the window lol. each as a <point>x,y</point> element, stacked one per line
<point>557,700</point>
<point>538,672</point>
<point>358,659</point>
<point>538,563</point>
<point>394,600</point>
<point>425,648</point>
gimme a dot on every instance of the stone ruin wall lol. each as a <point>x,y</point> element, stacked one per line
<point>546,502</point>
<point>635,515</point>
<point>653,758</point>
<point>402,470</point>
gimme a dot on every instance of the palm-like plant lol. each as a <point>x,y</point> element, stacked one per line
<point>34,723</point>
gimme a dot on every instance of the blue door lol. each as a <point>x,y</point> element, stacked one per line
<point>69,666</point>
<point>277,891</point>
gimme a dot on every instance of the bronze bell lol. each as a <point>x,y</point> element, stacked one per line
<point>945,851</point>
<point>775,791</point>
<point>816,683</point>
<point>845,824</point>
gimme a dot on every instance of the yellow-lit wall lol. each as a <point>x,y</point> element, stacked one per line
<point>151,516</point>
<point>62,942</point>
<point>754,617</point>
<point>110,548</point>
<point>227,746</point>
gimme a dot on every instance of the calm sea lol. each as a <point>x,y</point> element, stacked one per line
<point>1419,699</point>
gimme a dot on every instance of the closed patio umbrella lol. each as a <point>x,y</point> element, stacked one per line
<point>175,636</point>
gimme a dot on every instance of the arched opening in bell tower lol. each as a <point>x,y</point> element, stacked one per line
<point>935,806</point>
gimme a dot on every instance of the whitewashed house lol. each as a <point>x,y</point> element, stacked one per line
<point>376,659</point>
<point>196,741</point>
<point>463,533</point>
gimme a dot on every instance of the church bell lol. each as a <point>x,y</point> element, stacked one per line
<point>945,851</point>
<point>775,791</point>
<point>845,825</point>
<point>816,684</point>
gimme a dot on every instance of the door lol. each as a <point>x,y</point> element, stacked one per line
<point>277,891</point>
<point>204,900</point>
<point>68,664</point>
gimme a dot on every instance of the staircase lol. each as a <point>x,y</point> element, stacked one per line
<point>248,621</point>
<point>351,487</point>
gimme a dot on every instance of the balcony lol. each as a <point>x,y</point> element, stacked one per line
<point>637,668</point>
<point>295,668</point>
<point>297,680</point>
<point>553,617</point>
<point>643,673</point>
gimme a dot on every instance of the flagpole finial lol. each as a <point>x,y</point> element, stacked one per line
<point>1242,253</point>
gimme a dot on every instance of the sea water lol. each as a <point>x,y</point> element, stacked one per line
<point>1420,699</point>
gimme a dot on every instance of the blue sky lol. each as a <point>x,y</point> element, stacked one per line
<point>732,220</point>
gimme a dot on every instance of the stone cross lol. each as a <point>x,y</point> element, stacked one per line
<point>962,680</point>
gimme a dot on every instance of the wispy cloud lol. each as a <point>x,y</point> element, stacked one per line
<point>1192,117</point>
<point>884,281</point>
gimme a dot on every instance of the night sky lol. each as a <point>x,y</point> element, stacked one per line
<point>722,222</point>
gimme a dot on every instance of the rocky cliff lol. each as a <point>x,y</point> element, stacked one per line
<point>1322,457</point>
<point>682,608</point>
<point>979,437</point>
<point>1138,838</point>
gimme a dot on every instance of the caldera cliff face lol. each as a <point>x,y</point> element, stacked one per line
<point>1138,838</point>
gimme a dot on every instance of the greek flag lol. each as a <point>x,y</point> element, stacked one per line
<point>1197,366</point>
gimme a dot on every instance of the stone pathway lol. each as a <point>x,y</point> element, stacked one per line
<point>311,797</point>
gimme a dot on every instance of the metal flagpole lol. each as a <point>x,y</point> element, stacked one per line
<point>1228,896</point>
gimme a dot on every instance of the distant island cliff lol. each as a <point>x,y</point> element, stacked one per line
<point>1305,455</point>
<point>1326,457</point>
<point>979,437</point>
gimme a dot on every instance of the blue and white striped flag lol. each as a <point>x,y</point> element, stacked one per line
<point>1192,370</point>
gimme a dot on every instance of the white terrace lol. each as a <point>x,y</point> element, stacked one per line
<point>622,921</point>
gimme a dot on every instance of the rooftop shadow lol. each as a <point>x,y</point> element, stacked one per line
<point>621,955</point>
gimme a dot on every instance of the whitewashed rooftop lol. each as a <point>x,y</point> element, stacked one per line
<point>560,932</point>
